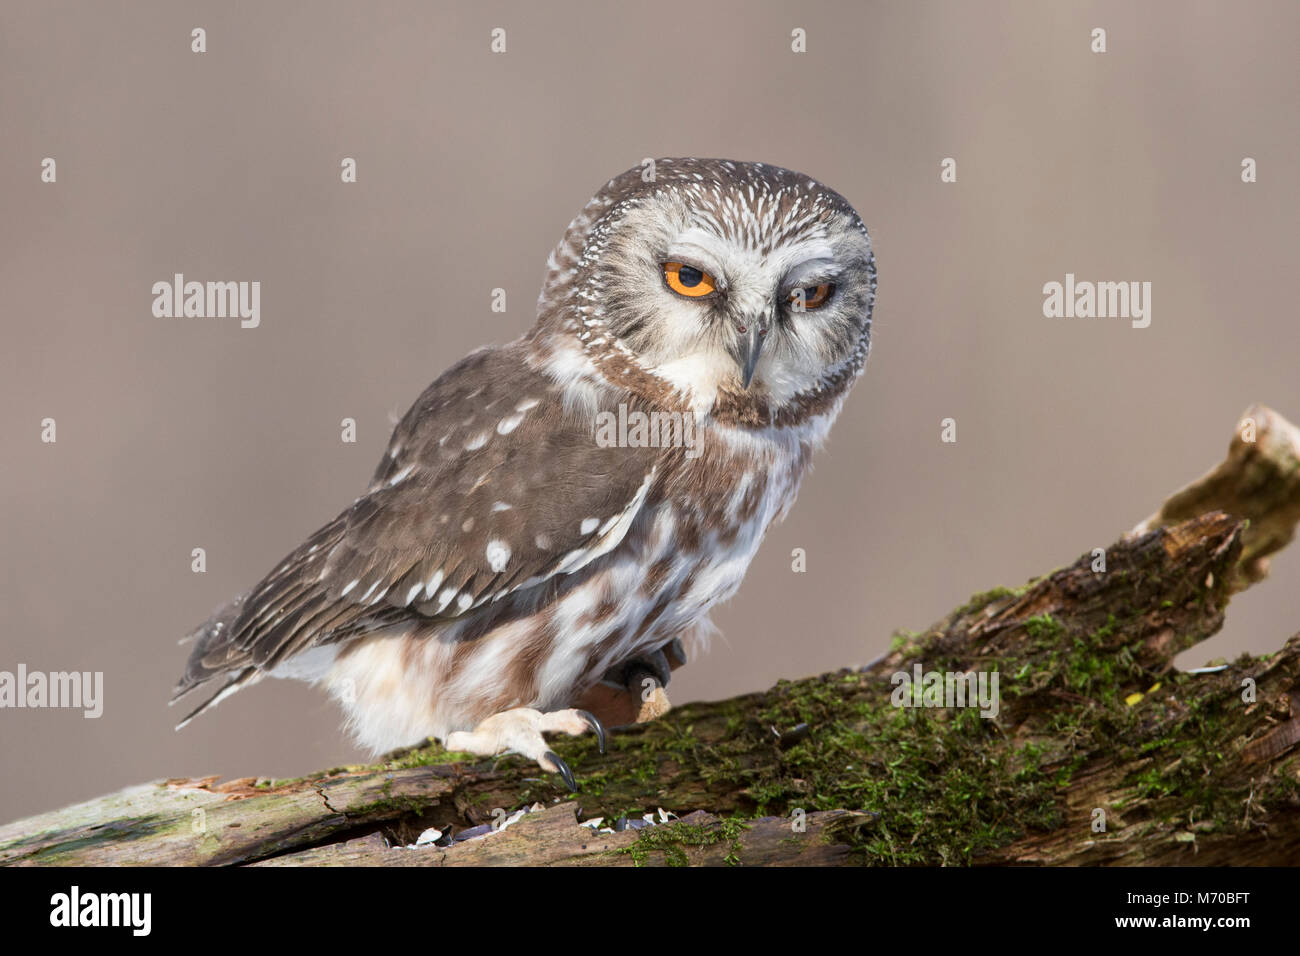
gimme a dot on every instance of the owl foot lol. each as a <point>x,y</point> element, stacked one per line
<point>633,692</point>
<point>654,666</point>
<point>646,678</point>
<point>520,731</point>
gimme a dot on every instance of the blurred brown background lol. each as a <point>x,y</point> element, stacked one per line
<point>183,433</point>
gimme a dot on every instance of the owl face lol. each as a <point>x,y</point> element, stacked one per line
<point>727,278</point>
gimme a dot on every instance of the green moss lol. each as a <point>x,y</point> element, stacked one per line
<point>941,785</point>
<point>428,754</point>
<point>1043,627</point>
<point>983,599</point>
<point>674,839</point>
<point>904,639</point>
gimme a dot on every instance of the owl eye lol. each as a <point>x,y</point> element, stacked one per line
<point>814,296</point>
<point>687,280</point>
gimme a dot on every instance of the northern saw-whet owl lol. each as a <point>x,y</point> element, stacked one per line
<point>508,573</point>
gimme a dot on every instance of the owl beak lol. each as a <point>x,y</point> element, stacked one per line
<point>751,343</point>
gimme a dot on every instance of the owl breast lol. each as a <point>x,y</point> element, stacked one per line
<point>688,552</point>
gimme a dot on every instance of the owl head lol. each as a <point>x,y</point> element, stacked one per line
<point>720,285</point>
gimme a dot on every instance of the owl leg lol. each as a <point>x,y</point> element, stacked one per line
<point>633,692</point>
<point>646,679</point>
<point>520,731</point>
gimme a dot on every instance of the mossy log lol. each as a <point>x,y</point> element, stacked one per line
<point>1100,752</point>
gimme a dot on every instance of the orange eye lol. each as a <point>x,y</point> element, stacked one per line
<point>813,297</point>
<point>688,281</point>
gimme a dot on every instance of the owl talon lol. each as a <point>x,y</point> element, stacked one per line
<point>520,731</point>
<point>596,727</point>
<point>560,767</point>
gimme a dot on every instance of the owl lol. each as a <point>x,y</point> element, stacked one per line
<point>554,518</point>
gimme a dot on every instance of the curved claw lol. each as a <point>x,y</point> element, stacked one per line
<point>596,726</point>
<point>563,770</point>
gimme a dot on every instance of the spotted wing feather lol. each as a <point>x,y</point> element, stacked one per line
<point>489,485</point>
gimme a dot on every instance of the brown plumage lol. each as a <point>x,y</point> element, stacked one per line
<point>506,556</point>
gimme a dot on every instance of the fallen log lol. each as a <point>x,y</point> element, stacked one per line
<point>1094,750</point>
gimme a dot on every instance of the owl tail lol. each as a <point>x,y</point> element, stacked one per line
<point>212,657</point>
<point>249,675</point>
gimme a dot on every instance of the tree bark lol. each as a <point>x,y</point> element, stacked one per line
<point>1100,751</point>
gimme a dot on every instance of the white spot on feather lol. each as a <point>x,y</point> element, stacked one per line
<point>498,555</point>
<point>445,598</point>
<point>432,584</point>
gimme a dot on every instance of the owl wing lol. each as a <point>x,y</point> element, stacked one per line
<point>489,486</point>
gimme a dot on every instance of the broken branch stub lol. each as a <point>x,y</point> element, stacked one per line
<point>1259,480</point>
